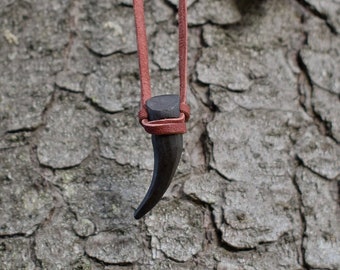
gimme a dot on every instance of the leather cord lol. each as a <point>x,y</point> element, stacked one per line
<point>170,125</point>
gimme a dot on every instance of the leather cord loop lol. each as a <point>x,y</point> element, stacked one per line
<point>166,126</point>
<point>170,125</point>
<point>142,114</point>
<point>185,109</point>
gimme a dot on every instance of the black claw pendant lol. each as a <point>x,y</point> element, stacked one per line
<point>167,151</point>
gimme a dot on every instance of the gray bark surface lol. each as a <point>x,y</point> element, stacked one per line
<point>258,183</point>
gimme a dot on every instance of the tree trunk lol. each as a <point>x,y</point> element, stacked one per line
<point>258,183</point>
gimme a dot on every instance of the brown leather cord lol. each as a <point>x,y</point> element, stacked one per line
<point>169,125</point>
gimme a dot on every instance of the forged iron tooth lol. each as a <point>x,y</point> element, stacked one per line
<point>167,151</point>
<point>167,154</point>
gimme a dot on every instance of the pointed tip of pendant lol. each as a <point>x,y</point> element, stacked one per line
<point>146,206</point>
<point>138,215</point>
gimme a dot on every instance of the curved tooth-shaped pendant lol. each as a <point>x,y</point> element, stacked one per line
<point>167,152</point>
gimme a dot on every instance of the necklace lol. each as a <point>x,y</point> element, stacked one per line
<point>163,116</point>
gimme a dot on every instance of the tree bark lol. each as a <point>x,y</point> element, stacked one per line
<point>258,183</point>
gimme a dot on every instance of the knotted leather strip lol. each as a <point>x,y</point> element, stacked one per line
<point>166,126</point>
<point>170,125</point>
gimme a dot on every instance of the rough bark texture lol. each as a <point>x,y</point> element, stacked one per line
<point>258,183</point>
